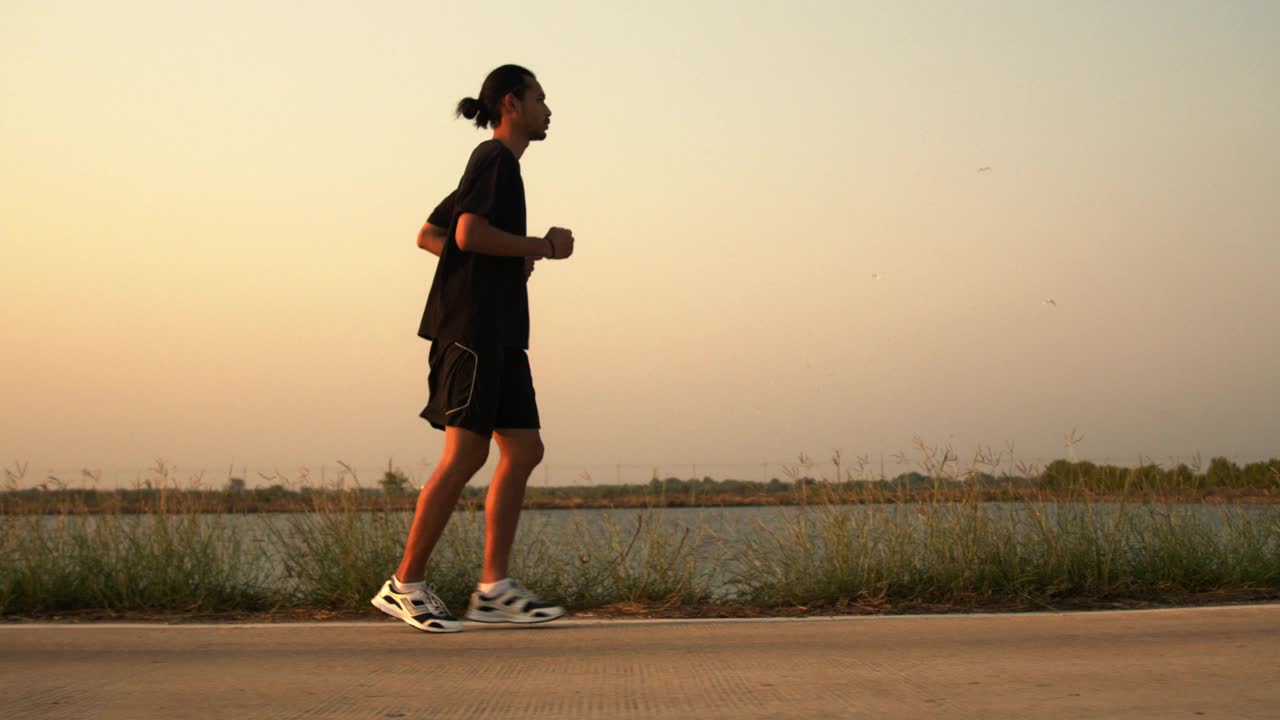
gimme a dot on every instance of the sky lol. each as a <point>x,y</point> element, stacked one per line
<point>801,228</point>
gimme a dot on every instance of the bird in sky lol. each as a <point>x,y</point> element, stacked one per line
<point>875,276</point>
<point>1051,301</point>
<point>985,168</point>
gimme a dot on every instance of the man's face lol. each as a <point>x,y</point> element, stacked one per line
<point>535,115</point>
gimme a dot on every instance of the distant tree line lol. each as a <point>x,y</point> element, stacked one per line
<point>394,488</point>
<point>1221,473</point>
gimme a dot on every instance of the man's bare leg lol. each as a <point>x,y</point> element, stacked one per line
<point>464,454</point>
<point>521,451</point>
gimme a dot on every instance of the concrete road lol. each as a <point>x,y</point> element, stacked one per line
<point>1217,662</point>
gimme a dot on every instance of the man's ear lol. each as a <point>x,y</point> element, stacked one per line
<point>510,103</point>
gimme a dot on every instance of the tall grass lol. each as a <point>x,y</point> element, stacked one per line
<point>336,558</point>
<point>950,549</point>
<point>169,560</point>
<point>963,553</point>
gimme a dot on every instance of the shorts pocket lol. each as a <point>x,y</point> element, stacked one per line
<point>459,368</point>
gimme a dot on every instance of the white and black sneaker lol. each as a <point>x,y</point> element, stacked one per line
<point>509,602</point>
<point>418,605</point>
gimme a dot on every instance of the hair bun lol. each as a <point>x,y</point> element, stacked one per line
<point>470,107</point>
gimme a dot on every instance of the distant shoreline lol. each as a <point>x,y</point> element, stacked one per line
<point>372,500</point>
<point>1221,481</point>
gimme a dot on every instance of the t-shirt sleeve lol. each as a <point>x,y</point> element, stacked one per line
<point>442,216</point>
<point>479,191</point>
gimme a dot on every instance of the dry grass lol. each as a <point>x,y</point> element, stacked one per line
<point>845,548</point>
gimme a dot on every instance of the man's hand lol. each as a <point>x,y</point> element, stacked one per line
<point>528,266</point>
<point>562,240</point>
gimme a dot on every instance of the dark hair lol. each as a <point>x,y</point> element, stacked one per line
<point>488,109</point>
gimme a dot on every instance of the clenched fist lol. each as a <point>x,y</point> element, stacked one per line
<point>561,243</point>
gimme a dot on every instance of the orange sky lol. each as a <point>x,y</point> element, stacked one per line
<point>784,243</point>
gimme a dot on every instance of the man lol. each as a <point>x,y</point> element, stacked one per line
<point>481,387</point>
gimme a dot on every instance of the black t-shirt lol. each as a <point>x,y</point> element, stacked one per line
<point>476,297</point>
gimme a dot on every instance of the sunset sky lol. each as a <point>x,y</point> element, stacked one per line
<point>784,242</point>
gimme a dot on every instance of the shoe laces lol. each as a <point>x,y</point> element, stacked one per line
<point>525,592</point>
<point>434,604</point>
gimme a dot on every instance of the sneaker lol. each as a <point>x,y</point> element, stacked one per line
<point>419,606</point>
<point>510,602</point>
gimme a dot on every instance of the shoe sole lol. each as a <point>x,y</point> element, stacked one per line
<point>395,613</point>
<point>513,619</point>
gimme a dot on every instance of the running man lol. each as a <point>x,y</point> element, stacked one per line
<point>477,319</point>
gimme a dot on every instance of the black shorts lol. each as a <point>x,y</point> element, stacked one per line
<point>480,387</point>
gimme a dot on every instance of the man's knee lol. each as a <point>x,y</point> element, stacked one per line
<point>532,454</point>
<point>525,451</point>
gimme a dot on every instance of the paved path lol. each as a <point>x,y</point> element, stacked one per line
<point>1219,662</point>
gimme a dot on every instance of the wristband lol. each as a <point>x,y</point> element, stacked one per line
<point>553,249</point>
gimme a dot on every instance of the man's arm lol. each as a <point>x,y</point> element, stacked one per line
<point>432,238</point>
<point>435,231</point>
<point>476,235</point>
